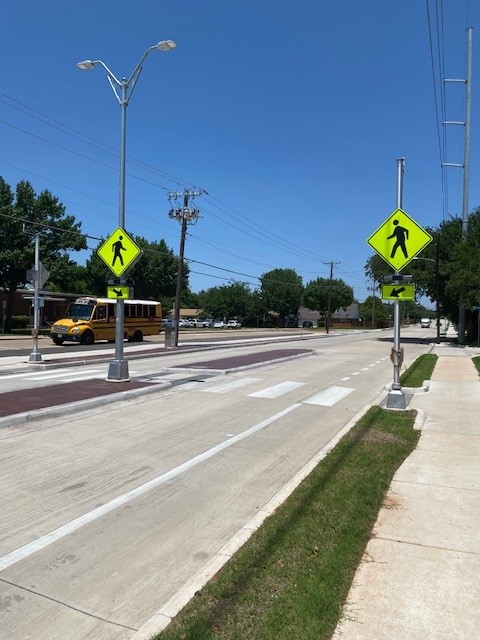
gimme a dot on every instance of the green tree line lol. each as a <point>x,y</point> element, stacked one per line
<point>447,266</point>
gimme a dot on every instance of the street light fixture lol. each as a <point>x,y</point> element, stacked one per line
<point>123,89</point>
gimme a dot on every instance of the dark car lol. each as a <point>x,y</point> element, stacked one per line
<point>307,324</point>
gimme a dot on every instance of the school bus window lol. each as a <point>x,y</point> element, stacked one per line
<point>101,313</point>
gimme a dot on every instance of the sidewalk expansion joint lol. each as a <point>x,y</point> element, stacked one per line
<point>426,546</point>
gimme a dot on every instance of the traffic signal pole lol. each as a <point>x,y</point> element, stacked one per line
<point>396,397</point>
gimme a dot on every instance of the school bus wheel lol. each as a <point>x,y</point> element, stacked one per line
<point>87,337</point>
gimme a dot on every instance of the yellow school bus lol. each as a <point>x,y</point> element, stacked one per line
<point>90,319</point>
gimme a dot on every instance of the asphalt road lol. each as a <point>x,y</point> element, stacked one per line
<point>107,513</point>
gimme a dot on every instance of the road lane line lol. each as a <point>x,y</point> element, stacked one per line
<point>277,390</point>
<point>329,397</point>
<point>44,541</point>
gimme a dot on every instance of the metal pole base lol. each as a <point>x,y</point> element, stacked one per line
<point>118,371</point>
<point>35,356</point>
<point>396,400</point>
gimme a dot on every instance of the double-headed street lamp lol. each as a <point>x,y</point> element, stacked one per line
<point>123,89</point>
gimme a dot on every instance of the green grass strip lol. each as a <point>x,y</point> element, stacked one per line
<point>291,578</point>
<point>419,371</point>
<point>476,362</point>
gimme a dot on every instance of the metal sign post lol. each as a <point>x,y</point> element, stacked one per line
<point>396,397</point>
<point>36,356</point>
<point>398,240</point>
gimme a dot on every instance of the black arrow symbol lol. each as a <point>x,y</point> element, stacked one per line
<point>119,293</point>
<point>396,292</point>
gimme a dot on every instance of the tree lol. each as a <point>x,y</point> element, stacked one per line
<point>154,275</point>
<point>232,300</point>
<point>281,291</point>
<point>317,293</point>
<point>22,215</point>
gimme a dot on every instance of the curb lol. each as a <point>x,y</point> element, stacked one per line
<point>162,618</point>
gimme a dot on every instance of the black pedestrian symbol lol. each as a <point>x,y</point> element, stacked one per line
<point>401,236</point>
<point>117,248</point>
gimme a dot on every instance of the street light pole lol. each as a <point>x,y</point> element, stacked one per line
<point>123,89</point>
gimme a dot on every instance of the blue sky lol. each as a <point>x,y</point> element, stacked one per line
<point>291,115</point>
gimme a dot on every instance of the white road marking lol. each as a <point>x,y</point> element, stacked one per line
<point>32,374</point>
<point>71,374</point>
<point>356,373</point>
<point>345,379</point>
<point>277,390</point>
<point>231,386</point>
<point>329,397</point>
<point>44,541</point>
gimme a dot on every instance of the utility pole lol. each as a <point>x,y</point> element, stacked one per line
<point>329,298</point>
<point>437,286</point>
<point>466,168</point>
<point>185,215</point>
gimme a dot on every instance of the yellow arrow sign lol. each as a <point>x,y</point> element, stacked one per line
<point>399,239</point>
<point>398,291</point>
<point>119,292</point>
<point>119,252</point>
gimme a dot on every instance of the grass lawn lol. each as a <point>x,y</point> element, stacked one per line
<point>291,578</point>
<point>476,362</point>
<point>420,371</point>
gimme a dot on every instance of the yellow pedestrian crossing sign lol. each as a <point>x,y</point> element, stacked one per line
<point>399,239</point>
<point>119,252</point>
<point>398,291</point>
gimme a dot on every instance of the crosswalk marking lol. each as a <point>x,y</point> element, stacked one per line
<point>329,397</point>
<point>231,386</point>
<point>72,374</point>
<point>277,390</point>
<point>32,374</point>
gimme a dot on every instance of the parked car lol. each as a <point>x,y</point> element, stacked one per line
<point>425,323</point>
<point>196,323</point>
<point>166,322</point>
<point>207,322</point>
<point>219,324</point>
<point>184,323</point>
<point>233,324</point>
<point>307,324</point>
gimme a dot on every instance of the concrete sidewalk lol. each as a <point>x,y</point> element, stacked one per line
<point>419,579</point>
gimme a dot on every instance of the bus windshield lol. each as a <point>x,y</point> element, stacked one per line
<point>80,311</point>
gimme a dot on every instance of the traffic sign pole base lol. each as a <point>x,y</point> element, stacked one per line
<point>118,371</point>
<point>35,356</point>
<point>396,400</point>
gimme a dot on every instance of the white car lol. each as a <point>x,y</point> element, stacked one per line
<point>233,324</point>
<point>219,324</point>
<point>208,322</point>
<point>184,323</point>
<point>196,323</point>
